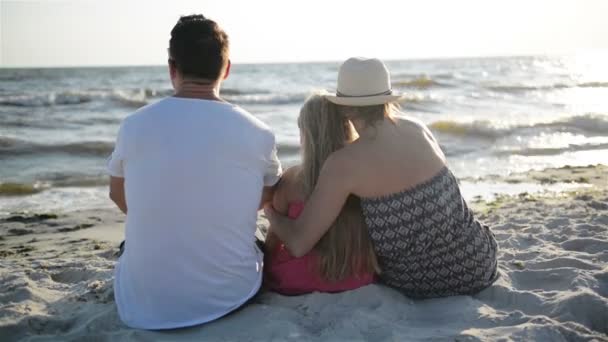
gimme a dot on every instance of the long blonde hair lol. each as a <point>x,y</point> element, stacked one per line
<point>346,248</point>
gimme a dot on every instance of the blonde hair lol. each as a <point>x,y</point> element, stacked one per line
<point>370,115</point>
<point>346,248</point>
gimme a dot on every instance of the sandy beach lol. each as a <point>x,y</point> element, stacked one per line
<point>198,105</point>
<point>56,280</point>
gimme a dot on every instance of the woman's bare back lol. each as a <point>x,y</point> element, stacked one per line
<point>396,157</point>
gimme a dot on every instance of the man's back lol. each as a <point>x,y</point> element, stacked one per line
<point>194,172</point>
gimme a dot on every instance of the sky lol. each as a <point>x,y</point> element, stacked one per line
<point>136,32</point>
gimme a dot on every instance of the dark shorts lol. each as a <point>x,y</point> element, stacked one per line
<point>121,249</point>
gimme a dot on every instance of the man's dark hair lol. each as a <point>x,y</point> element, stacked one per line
<point>198,47</point>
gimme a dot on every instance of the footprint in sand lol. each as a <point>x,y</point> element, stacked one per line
<point>560,279</point>
<point>584,307</point>
<point>601,219</point>
<point>602,280</point>
<point>588,245</point>
<point>73,275</point>
<point>598,205</point>
<point>20,231</point>
<point>75,228</point>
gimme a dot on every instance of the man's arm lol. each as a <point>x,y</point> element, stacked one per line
<point>115,167</point>
<point>117,193</point>
<point>271,238</point>
<point>272,174</point>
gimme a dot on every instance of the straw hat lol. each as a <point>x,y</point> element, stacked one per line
<point>363,82</point>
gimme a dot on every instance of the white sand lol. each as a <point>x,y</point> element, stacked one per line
<point>553,284</point>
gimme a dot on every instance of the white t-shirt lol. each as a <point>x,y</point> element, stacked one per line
<point>194,172</point>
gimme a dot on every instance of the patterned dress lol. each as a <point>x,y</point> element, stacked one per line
<point>427,241</point>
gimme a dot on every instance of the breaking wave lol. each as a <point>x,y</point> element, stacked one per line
<point>141,97</point>
<point>128,98</point>
<point>550,151</point>
<point>16,147</point>
<point>54,180</point>
<point>265,98</point>
<point>517,88</point>
<point>589,123</point>
<point>421,82</point>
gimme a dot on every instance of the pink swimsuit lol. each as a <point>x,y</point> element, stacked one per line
<point>292,276</point>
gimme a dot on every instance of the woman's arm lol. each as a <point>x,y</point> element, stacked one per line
<point>321,209</point>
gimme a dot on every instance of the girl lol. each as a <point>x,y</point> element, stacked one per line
<point>343,258</point>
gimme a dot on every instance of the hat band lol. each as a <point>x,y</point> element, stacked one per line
<point>388,92</point>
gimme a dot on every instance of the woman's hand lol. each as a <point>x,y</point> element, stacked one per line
<point>275,219</point>
<point>283,228</point>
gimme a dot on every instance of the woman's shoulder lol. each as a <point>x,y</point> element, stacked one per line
<point>346,164</point>
<point>404,120</point>
<point>417,131</point>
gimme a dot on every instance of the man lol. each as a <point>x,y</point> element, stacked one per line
<point>190,172</point>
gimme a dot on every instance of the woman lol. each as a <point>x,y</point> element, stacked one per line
<point>343,259</point>
<point>427,242</point>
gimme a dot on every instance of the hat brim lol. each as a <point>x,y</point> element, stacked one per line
<point>364,100</point>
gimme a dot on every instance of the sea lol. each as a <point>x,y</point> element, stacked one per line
<point>492,116</point>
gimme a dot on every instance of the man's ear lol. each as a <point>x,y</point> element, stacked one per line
<point>172,69</point>
<point>227,69</point>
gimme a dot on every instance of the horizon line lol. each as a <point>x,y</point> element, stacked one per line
<point>95,66</point>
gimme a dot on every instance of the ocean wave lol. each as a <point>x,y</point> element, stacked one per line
<point>276,98</point>
<point>11,78</point>
<point>517,88</point>
<point>136,97</point>
<point>142,97</point>
<point>6,142</point>
<point>54,180</point>
<point>593,84</point>
<point>588,123</point>
<point>72,98</point>
<point>23,121</point>
<point>45,100</point>
<point>406,75</point>
<point>70,179</point>
<point>418,100</point>
<point>130,99</point>
<point>288,149</point>
<point>233,91</point>
<point>478,128</point>
<point>126,97</point>
<point>155,93</point>
<point>16,147</point>
<point>550,151</point>
<point>523,88</point>
<point>592,123</point>
<point>421,82</point>
<point>21,189</point>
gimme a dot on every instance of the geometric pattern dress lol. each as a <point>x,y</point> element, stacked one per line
<point>428,243</point>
